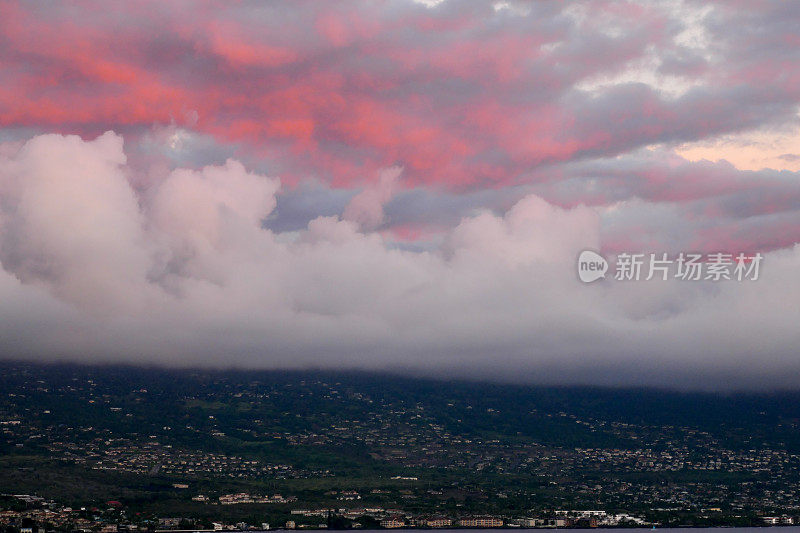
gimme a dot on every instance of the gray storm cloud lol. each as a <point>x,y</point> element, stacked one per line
<point>183,272</point>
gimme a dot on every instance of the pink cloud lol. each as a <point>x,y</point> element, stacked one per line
<point>463,97</point>
<point>460,96</point>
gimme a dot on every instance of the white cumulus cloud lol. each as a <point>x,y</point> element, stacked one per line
<point>183,272</point>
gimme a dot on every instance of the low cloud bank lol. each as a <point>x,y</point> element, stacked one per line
<point>183,272</point>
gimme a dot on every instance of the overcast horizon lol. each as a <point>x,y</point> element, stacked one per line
<point>404,186</point>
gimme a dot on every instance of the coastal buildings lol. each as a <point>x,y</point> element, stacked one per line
<point>481,521</point>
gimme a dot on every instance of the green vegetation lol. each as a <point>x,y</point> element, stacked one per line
<point>88,435</point>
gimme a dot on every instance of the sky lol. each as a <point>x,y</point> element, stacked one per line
<point>402,186</point>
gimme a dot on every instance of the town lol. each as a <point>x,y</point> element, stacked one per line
<point>156,449</point>
<point>42,515</point>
